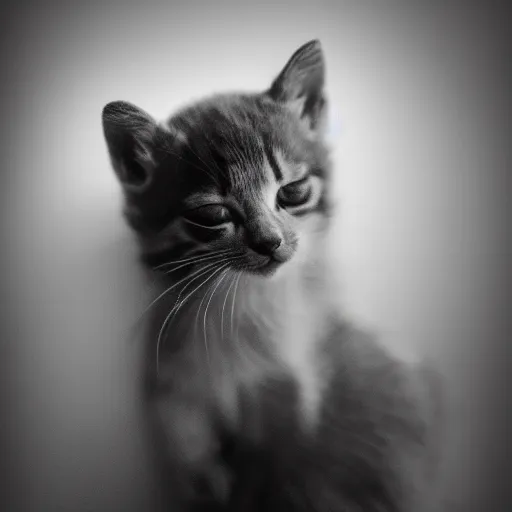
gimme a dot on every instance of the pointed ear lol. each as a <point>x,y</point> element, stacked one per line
<point>300,85</point>
<point>131,135</point>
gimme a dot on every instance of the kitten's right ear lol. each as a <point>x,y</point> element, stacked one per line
<point>131,135</point>
<point>300,85</point>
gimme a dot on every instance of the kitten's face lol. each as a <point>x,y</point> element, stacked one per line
<point>239,178</point>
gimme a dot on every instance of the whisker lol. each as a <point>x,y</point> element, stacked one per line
<point>223,275</point>
<point>194,258</point>
<point>175,309</point>
<point>167,290</point>
<point>224,307</point>
<point>184,288</point>
<point>178,304</point>
<point>233,303</point>
<point>230,259</point>
<point>198,310</point>
<point>200,260</point>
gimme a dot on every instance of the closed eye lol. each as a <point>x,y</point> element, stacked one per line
<point>295,194</point>
<point>208,216</point>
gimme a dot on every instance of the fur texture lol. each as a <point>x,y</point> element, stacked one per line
<point>261,397</point>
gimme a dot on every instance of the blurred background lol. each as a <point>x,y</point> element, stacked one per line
<point>420,131</point>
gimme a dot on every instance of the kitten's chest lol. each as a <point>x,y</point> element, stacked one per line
<point>277,355</point>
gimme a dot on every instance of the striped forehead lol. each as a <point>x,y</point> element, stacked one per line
<point>270,167</point>
<point>285,169</point>
<point>257,184</point>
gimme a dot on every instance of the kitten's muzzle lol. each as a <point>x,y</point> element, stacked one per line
<point>278,252</point>
<point>267,264</point>
<point>278,255</point>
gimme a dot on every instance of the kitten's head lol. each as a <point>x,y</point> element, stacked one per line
<point>240,176</point>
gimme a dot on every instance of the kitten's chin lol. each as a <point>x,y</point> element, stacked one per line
<point>274,271</point>
<point>267,269</point>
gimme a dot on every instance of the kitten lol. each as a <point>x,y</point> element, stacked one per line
<point>264,398</point>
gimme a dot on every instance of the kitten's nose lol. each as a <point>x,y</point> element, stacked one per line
<point>266,243</point>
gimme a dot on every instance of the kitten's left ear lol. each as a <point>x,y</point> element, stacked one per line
<point>300,85</point>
